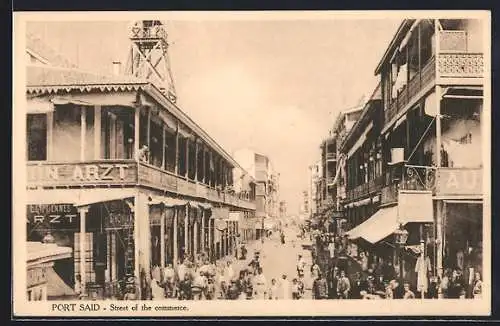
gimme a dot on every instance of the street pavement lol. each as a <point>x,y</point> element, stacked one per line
<point>278,259</point>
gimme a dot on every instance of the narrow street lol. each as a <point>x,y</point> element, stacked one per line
<point>278,259</point>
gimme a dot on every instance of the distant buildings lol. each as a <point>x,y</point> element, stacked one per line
<point>260,168</point>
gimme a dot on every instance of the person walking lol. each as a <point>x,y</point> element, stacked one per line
<point>343,286</point>
<point>477,289</point>
<point>273,291</point>
<point>315,270</point>
<point>408,293</point>
<point>320,288</point>
<point>260,285</point>
<point>284,288</point>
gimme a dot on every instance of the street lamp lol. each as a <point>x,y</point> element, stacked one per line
<point>401,238</point>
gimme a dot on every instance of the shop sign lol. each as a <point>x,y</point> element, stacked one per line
<point>118,220</point>
<point>459,181</point>
<point>415,206</point>
<point>78,173</point>
<point>63,215</point>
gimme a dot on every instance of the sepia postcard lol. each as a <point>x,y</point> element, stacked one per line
<point>285,163</point>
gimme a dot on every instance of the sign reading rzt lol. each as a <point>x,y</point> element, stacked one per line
<point>53,214</point>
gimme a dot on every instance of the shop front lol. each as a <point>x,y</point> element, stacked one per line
<point>460,231</point>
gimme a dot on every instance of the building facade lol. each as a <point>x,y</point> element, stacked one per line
<point>259,166</point>
<point>414,159</point>
<point>119,173</point>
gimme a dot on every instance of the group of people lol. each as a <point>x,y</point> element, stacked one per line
<point>350,276</point>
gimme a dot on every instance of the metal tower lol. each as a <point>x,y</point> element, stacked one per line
<point>148,57</point>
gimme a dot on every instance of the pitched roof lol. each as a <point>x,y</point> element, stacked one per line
<point>47,79</point>
<point>38,47</point>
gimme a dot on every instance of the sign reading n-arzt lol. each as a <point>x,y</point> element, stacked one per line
<point>81,173</point>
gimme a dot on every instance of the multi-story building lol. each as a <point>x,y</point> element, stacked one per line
<point>419,154</point>
<point>266,185</point>
<point>282,210</point>
<point>119,173</point>
<point>330,189</point>
<point>315,188</point>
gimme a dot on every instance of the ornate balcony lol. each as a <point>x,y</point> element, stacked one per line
<point>460,65</point>
<point>371,187</point>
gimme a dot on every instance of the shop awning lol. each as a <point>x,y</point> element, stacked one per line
<point>167,201</point>
<point>94,197</point>
<point>377,227</point>
<point>56,287</point>
<point>204,205</point>
<point>39,252</point>
<point>39,105</point>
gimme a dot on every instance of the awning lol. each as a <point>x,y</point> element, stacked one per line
<point>204,205</point>
<point>39,105</point>
<point>99,197</point>
<point>360,140</point>
<point>167,201</point>
<point>56,287</point>
<point>127,99</point>
<point>378,226</point>
<point>39,252</point>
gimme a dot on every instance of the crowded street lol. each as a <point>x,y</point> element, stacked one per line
<point>308,180</point>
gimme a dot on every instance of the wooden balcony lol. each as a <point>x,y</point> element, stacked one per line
<point>407,94</point>
<point>371,187</point>
<point>123,173</point>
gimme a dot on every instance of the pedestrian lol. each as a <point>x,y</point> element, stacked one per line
<point>260,285</point>
<point>185,288</point>
<point>169,280</point>
<point>229,272</point>
<point>363,261</point>
<point>343,286</point>
<point>273,291</point>
<point>397,289</point>
<point>477,290</point>
<point>282,236</point>
<point>315,270</point>
<point>331,249</point>
<point>408,293</point>
<point>199,286</point>
<point>359,285</point>
<point>320,288</point>
<point>295,289</point>
<point>301,263</point>
<point>284,288</point>
<point>332,279</point>
<point>78,286</point>
<point>157,292</point>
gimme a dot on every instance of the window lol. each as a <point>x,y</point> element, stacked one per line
<point>37,137</point>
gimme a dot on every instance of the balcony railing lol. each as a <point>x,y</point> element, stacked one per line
<point>409,91</point>
<point>440,181</point>
<point>365,189</point>
<point>460,65</point>
<point>331,156</point>
<point>122,173</point>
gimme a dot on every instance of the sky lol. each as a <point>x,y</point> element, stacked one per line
<point>275,86</point>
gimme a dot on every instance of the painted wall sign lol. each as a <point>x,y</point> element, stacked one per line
<point>63,215</point>
<point>81,173</point>
<point>459,181</point>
